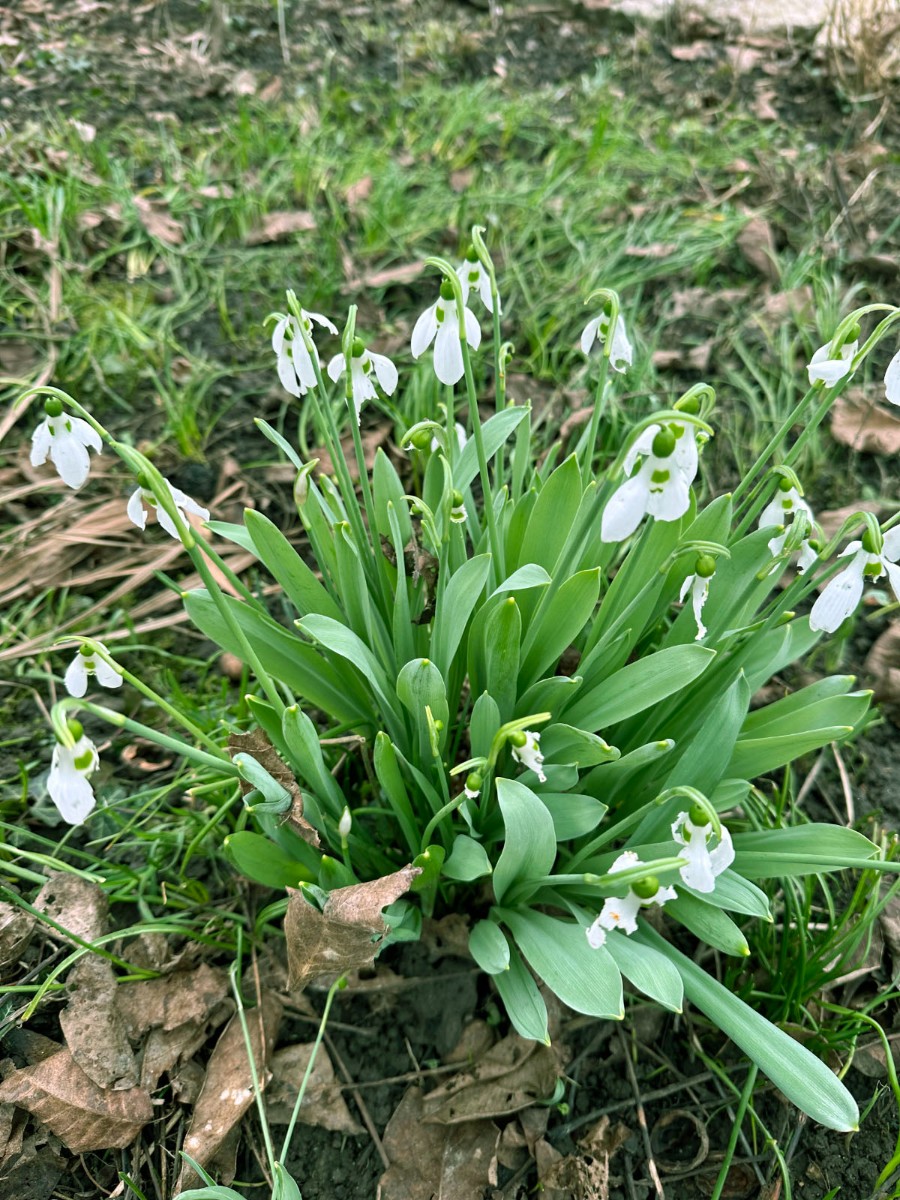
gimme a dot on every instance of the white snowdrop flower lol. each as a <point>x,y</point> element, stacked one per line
<point>843,591</point>
<point>141,497</point>
<point>661,486</point>
<point>621,353</point>
<point>693,832</point>
<point>440,324</point>
<point>831,370</point>
<point>892,380</point>
<point>787,504</point>
<point>345,824</point>
<point>71,768</point>
<point>474,278</point>
<point>364,365</point>
<point>461,438</point>
<point>457,508</point>
<point>472,789</point>
<point>621,912</point>
<point>294,362</point>
<point>526,749</point>
<point>65,441</point>
<point>86,663</point>
<point>698,587</point>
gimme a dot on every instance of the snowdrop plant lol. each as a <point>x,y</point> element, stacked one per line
<point>548,667</point>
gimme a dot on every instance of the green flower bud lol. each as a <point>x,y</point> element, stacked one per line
<point>852,334</point>
<point>421,439</point>
<point>646,888</point>
<point>53,407</point>
<point>689,404</point>
<point>705,566</point>
<point>474,782</point>
<point>663,443</point>
<point>446,290</point>
<point>86,651</point>
<point>456,498</point>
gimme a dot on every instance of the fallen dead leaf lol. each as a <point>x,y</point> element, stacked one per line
<point>696,358</point>
<point>323,1102</point>
<point>16,928</point>
<point>757,243</point>
<point>882,668</point>
<point>796,305</point>
<point>433,1162</point>
<point>158,221</point>
<point>571,1176</point>
<point>32,1166</point>
<point>244,83</point>
<point>865,425</point>
<point>82,1115</point>
<point>79,906</point>
<point>171,1001</point>
<point>346,933</point>
<point>706,304</point>
<point>654,250</point>
<point>832,519</point>
<point>93,1027</point>
<point>227,1091</point>
<point>405,273</point>
<point>742,57</point>
<point>278,225</point>
<point>257,745</point>
<point>692,52</point>
<point>761,105</point>
<point>510,1076</point>
<point>358,193</point>
<point>461,181</point>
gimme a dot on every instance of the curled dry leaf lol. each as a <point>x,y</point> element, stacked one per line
<point>346,933</point>
<point>434,1162</point>
<point>79,906</point>
<point>323,1103</point>
<point>882,668</point>
<point>278,225</point>
<point>257,745</point>
<point>82,1115</point>
<point>158,221</point>
<point>510,1076</point>
<point>227,1091</point>
<point>571,1176</point>
<point>171,1001</point>
<point>865,425</point>
<point>93,1027</point>
<point>757,243</point>
<point>16,928</point>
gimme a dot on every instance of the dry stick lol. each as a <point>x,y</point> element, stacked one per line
<point>642,1117</point>
<point>360,1103</point>
<point>846,786</point>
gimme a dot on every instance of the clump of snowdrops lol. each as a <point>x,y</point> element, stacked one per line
<point>547,665</point>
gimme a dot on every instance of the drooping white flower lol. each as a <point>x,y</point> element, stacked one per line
<point>843,591</point>
<point>65,440</point>
<point>461,438</point>
<point>457,508</point>
<point>86,663</point>
<point>661,486</point>
<point>474,278</point>
<point>786,505</point>
<point>621,353</point>
<point>528,752</point>
<point>892,380</point>
<point>141,497</point>
<point>698,587</point>
<point>364,365</point>
<point>71,768</point>
<point>294,362</point>
<point>440,324</point>
<point>473,786</point>
<point>830,370</point>
<point>703,864</point>
<point>345,824</point>
<point>621,912</point>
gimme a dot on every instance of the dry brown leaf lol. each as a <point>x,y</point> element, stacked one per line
<point>511,1076</point>
<point>461,181</point>
<point>346,934</point>
<point>757,243</point>
<point>32,1166</point>
<point>696,358</point>
<point>158,221</point>
<point>705,303</point>
<point>323,1103</point>
<point>654,250</point>
<point>257,745</point>
<point>244,83</point>
<point>405,273</point>
<point>796,305</point>
<point>278,225</point>
<point>79,906</point>
<point>358,193</point>
<point>865,425</point>
<point>228,1088</point>
<point>832,519</point>
<point>761,105</point>
<point>93,1027</point>
<point>434,1162</point>
<point>571,1177</point>
<point>742,57</point>
<point>693,52</point>
<point>882,668</point>
<point>81,1114</point>
<point>16,928</point>
<point>172,1000</point>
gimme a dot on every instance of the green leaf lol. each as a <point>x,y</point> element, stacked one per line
<point>236,534</point>
<point>708,923</point>
<point>284,564</point>
<point>523,1002</point>
<point>558,622</point>
<point>500,656</point>
<point>610,779</point>
<point>756,756</point>
<point>494,433</point>
<point>302,740</point>
<point>387,489</point>
<point>801,850</point>
<point>262,861</point>
<point>573,815</point>
<point>468,860</point>
<point>285,1187</point>
<point>548,695</point>
<point>420,684</point>
<point>639,685</point>
<point>529,576</point>
<point>553,514</point>
<point>483,725</point>
<point>773,651</point>
<point>562,743</point>
<point>389,775</point>
<point>647,969</point>
<point>336,637</point>
<point>736,894</point>
<point>455,605</point>
<point>489,947</point>
<point>586,979</point>
<point>530,846</point>
<point>804,1079</point>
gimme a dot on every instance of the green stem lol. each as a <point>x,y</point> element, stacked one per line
<point>590,444</point>
<point>746,1093</point>
<point>248,1045</point>
<point>332,991</point>
<point>499,569</point>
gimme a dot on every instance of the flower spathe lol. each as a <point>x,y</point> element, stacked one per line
<point>86,663</point>
<point>65,441</point>
<point>843,592</point>
<point>364,366</point>
<point>703,864</point>
<point>830,370</point>
<point>661,486</point>
<point>621,353</point>
<point>71,768</point>
<point>142,499</point>
<point>529,754</point>
<point>787,504</point>
<point>621,912</point>
<point>294,362</point>
<point>440,324</point>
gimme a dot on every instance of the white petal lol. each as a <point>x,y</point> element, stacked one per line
<point>830,370</point>
<point>76,677</point>
<point>893,574</point>
<point>685,454</point>
<point>303,363</point>
<point>167,523</point>
<point>288,376</point>
<point>625,509</point>
<point>484,290</point>
<point>892,380</point>
<point>891,547</point>
<point>69,788</point>
<point>596,934</point>
<point>776,544</point>
<point>337,367</point>
<point>839,599</point>
<point>698,874</point>
<point>137,514</point>
<point>699,593</point>
<point>424,330</point>
<point>71,459</point>
<point>41,441</point>
<point>723,855</point>
<point>626,860</point>
<point>330,326</point>
<point>678,825</point>
<point>385,372</point>
<point>589,335</point>
<point>640,448</point>
<point>186,504</point>
<point>621,354</point>
<point>448,359</point>
<point>620,913</point>
<point>86,434</point>
<point>806,557</point>
<point>663,895</point>
<point>473,329</point>
<point>278,335</point>
<point>673,498</point>
<point>107,676</point>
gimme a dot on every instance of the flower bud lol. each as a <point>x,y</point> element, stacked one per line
<point>474,782</point>
<point>869,543</point>
<point>784,484</point>
<point>688,404</point>
<point>646,888</point>
<point>421,439</point>
<point>663,444</point>
<point>345,824</point>
<point>472,255</point>
<point>456,498</point>
<point>705,566</point>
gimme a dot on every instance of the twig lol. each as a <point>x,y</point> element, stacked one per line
<point>846,786</point>
<point>360,1103</point>
<point>642,1118</point>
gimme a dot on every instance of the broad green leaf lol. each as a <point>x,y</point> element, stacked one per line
<point>285,1187</point>
<point>755,756</point>
<point>237,534</point>
<point>336,637</point>
<point>565,744</point>
<point>558,622</point>
<point>804,1079</point>
<point>483,725</point>
<point>494,433</point>
<point>262,861</point>
<point>529,576</point>
<point>548,695</point>
<point>302,740</point>
<point>455,605</point>
<point>586,979</point>
<point>523,1002</point>
<point>284,564</point>
<point>552,516</point>
<point>735,894</point>
<point>389,775</point>
<point>573,815</point>
<point>489,947</point>
<point>387,489</point>
<point>709,924</point>
<point>639,685</point>
<point>420,685</point>
<point>611,778</point>
<point>494,655</point>
<point>647,969</point>
<point>801,850</point>
<point>709,754</point>
<point>773,651</point>
<point>826,702</point>
<point>530,846</point>
<point>468,860</point>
